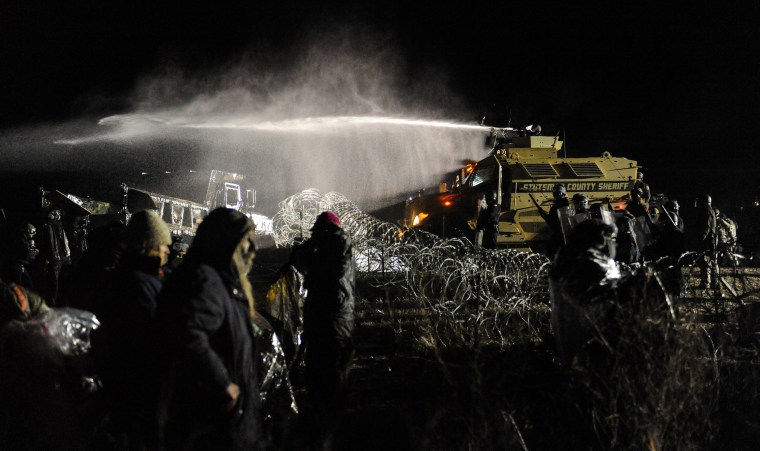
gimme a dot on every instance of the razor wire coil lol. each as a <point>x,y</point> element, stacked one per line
<point>466,289</point>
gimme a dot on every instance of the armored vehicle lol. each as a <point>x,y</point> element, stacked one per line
<point>519,170</point>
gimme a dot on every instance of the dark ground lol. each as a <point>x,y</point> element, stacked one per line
<point>404,394</point>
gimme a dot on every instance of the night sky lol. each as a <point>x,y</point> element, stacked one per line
<point>673,87</point>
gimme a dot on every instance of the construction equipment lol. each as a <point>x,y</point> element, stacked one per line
<point>182,216</point>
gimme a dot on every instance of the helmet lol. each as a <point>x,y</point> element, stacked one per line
<point>672,206</point>
<point>578,198</point>
<point>559,191</point>
<point>704,199</point>
<point>580,201</point>
<point>490,197</point>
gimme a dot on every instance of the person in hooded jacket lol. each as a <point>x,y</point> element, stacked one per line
<point>125,341</point>
<point>205,318</point>
<point>326,259</point>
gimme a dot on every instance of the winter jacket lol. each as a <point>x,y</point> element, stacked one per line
<point>207,343</point>
<point>127,314</point>
<point>328,265</point>
<point>125,345</point>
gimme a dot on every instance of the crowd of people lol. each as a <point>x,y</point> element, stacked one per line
<point>175,353</point>
<point>601,255</point>
<point>595,247</point>
<point>175,358</point>
<point>644,230</point>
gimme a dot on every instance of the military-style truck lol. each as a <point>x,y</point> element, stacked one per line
<point>518,169</point>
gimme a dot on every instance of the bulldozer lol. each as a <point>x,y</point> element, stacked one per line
<point>522,169</point>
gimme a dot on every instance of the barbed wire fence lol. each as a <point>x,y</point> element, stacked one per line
<point>472,295</point>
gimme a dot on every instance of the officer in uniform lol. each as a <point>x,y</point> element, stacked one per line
<point>488,221</point>
<point>580,203</point>
<point>672,206</point>
<point>559,192</point>
<point>705,228</point>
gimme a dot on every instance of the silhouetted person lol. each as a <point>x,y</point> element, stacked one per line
<point>672,206</point>
<point>646,193</point>
<point>488,221</point>
<point>206,333</point>
<point>93,274</point>
<point>55,251</point>
<point>177,255</point>
<point>559,192</point>
<point>705,228</point>
<point>580,203</point>
<point>326,260</point>
<point>583,281</point>
<point>670,243</point>
<point>644,227</point>
<point>128,314</point>
<point>637,205</point>
<point>25,254</point>
<point>81,231</point>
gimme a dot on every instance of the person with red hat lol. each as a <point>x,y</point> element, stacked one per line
<point>326,260</point>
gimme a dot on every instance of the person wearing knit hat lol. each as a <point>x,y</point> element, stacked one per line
<point>127,315</point>
<point>326,260</point>
<point>325,219</point>
<point>148,234</point>
<point>205,319</point>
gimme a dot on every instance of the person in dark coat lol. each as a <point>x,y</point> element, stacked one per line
<point>94,272</point>
<point>205,312</point>
<point>326,260</point>
<point>583,281</point>
<point>488,221</point>
<point>127,315</point>
<point>670,243</point>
